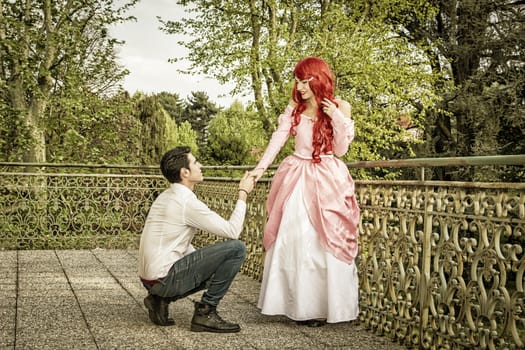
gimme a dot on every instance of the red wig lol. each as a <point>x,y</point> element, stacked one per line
<point>321,82</point>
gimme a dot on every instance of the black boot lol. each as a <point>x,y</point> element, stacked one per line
<point>311,323</point>
<point>206,319</point>
<point>158,310</point>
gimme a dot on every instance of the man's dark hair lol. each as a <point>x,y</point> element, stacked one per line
<point>173,161</point>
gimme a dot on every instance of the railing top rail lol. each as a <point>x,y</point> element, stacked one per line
<point>133,176</point>
<point>79,165</point>
<point>517,159</point>
<point>456,184</point>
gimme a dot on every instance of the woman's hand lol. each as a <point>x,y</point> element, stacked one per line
<point>328,107</point>
<point>257,173</point>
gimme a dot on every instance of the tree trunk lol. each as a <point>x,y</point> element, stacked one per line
<point>471,24</point>
<point>255,61</point>
<point>37,152</point>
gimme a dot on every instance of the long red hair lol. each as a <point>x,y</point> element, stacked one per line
<point>321,82</point>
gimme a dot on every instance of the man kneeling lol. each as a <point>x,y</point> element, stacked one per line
<point>169,266</point>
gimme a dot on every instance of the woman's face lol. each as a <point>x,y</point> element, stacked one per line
<point>303,86</point>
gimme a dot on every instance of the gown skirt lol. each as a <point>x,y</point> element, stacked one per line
<point>300,279</point>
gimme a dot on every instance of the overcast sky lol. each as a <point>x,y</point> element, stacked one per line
<point>147,50</point>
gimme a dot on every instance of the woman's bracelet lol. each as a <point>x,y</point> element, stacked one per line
<point>242,189</point>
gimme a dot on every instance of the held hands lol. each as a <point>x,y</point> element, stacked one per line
<point>256,174</point>
<point>247,183</point>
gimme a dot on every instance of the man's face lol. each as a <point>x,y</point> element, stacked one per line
<point>195,174</point>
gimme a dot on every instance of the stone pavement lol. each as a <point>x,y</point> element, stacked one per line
<point>92,299</point>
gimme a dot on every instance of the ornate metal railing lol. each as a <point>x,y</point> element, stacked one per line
<point>441,263</point>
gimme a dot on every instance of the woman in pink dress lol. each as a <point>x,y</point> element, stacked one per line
<point>311,237</point>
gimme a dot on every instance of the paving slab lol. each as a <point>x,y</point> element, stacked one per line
<point>93,299</point>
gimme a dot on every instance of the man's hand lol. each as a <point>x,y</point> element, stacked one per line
<point>246,185</point>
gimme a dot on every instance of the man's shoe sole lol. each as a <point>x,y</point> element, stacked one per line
<point>201,328</point>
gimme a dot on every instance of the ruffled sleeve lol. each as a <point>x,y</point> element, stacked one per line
<point>279,138</point>
<point>343,132</point>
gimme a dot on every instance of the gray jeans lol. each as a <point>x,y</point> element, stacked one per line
<point>213,268</point>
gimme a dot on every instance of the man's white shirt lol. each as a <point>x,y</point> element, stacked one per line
<point>172,221</point>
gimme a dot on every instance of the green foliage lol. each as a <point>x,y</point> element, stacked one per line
<point>172,104</point>
<point>53,53</point>
<point>236,137</point>
<point>198,112</point>
<point>186,136</point>
<point>385,79</point>
<point>15,136</point>
<point>452,70</point>
<point>159,132</point>
<point>256,44</point>
<point>479,50</point>
<point>90,129</point>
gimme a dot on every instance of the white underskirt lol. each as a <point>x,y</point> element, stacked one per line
<point>300,279</point>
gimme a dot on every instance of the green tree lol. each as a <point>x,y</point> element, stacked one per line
<point>186,136</point>
<point>49,49</point>
<point>173,104</point>
<point>198,112</point>
<point>236,137</point>
<point>382,74</point>
<point>159,132</point>
<point>255,44</point>
<point>91,129</point>
<point>479,49</point>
